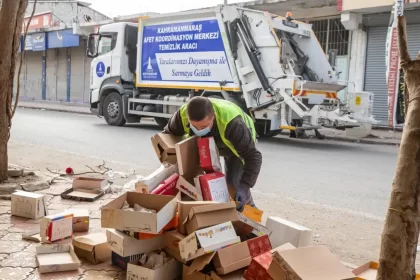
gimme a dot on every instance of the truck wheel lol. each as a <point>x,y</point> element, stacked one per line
<point>161,122</point>
<point>262,133</point>
<point>113,110</point>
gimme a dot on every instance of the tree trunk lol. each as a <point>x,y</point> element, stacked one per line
<point>401,231</point>
<point>11,17</point>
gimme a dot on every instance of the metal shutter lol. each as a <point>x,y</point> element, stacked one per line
<point>375,78</point>
<point>33,88</point>
<point>52,74</point>
<point>77,74</point>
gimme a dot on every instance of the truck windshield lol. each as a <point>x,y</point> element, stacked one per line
<point>107,42</point>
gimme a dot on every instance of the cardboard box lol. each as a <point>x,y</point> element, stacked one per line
<point>287,232</point>
<point>209,215</point>
<point>259,245</point>
<point>151,182</point>
<point>184,208</point>
<point>188,158</point>
<point>122,262</point>
<point>186,275</point>
<point>218,236</point>
<point>87,183</point>
<point>56,227</point>
<point>253,213</point>
<point>214,187</point>
<point>80,219</point>
<point>168,187</point>
<point>170,271</point>
<point>126,246</point>
<point>190,247</point>
<point>164,146</point>
<point>209,155</point>
<point>113,216</point>
<point>28,205</point>
<point>92,247</point>
<point>232,258</point>
<point>82,194</point>
<point>190,187</point>
<point>258,229</point>
<point>56,258</point>
<point>274,270</point>
<point>142,236</point>
<point>310,263</point>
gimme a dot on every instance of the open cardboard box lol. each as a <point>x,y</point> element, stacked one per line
<point>187,157</point>
<point>169,271</point>
<point>85,189</point>
<point>191,186</point>
<point>257,228</point>
<point>126,246</point>
<point>92,247</point>
<point>56,258</point>
<point>80,219</point>
<point>209,215</point>
<point>184,208</point>
<point>199,243</point>
<point>164,146</point>
<point>143,236</point>
<point>113,216</point>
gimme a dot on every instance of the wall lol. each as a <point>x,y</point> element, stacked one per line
<point>349,5</point>
<point>65,12</point>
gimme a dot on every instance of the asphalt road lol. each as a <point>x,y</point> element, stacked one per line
<point>352,177</point>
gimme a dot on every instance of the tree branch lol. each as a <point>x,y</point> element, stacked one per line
<point>402,41</point>
<point>22,56</point>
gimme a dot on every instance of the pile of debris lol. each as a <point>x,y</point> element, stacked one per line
<point>180,223</point>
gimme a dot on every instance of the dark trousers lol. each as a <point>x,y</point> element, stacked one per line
<point>234,168</point>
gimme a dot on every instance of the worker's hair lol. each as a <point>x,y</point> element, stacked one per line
<point>198,108</point>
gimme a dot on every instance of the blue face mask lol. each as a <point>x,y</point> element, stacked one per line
<point>200,133</point>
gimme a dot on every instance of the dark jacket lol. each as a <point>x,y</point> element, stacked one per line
<point>240,137</point>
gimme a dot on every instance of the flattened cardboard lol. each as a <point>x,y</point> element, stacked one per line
<point>184,208</point>
<point>209,215</point>
<point>126,246</point>
<point>151,182</point>
<point>87,183</point>
<point>28,205</point>
<point>56,258</point>
<point>92,247</point>
<point>198,275</point>
<point>367,271</point>
<point>83,194</point>
<point>164,146</point>
<point>214,187</point>
<point>190,187</point>
<point>258,229</point>
<point>285,231</point>
<point>188,158</point>
<point>172,270</point>
<point>275,271</point>
<point>113,216</point>
<point>122,262</point>
<point>80,219</point>
<point>310,263</point>
<point>56,227</point>
<point>253,213</point>
<point>32,236</point>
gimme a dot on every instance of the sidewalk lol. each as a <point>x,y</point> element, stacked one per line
<point>378,136</point>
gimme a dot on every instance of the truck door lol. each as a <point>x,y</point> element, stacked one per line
<point>102,64</point>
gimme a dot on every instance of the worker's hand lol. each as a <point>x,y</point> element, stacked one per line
<point>241,197</point>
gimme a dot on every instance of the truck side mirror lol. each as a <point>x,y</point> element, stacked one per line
<point>92,50</point>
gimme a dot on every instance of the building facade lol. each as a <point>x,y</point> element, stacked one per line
<point>368,23</point>
<point>55,67</point>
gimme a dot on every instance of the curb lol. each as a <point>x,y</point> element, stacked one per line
<point>55,110</point>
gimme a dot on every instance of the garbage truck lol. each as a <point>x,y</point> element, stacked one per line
<point>273,67</point>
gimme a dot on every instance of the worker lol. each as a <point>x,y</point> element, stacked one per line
<point>234,134</point>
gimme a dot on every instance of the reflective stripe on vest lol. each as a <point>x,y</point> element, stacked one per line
<point>225,112</point>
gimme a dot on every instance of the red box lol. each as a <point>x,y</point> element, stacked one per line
<point>259,245</point>
<point>214,187</point>
<point>258,269</point>
<point>168,187</point>
<point>209,155</point>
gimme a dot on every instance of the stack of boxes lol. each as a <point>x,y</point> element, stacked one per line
<point>181,223</point>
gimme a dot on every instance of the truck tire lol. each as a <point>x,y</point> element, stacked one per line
<point>161,122</point>
<point>113,110</point>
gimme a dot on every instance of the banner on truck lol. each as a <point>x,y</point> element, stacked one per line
<point>393,63</point>
<point>184,52</point>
